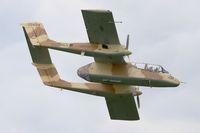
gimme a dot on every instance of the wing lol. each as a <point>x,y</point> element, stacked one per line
<point>101,29</point>
<point>122,107</point>
<point>100,26</point>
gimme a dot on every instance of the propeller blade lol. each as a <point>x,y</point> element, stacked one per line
<point>127,42</point>
<point>138,101</point>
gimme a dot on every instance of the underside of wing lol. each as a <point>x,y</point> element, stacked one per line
<point>100,26</point>
<point>122,107</point>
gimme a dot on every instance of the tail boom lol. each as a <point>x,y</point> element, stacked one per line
<point>50,77</point>
<point>38,37</point>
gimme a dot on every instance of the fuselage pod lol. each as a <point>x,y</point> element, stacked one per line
<point>128,74</point>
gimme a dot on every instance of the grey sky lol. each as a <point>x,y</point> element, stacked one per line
<point>162,32</point>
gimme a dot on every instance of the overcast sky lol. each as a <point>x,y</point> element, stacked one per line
<point>165,32</point>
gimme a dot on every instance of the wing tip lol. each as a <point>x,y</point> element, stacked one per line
<point>127,119</point>
<point>95,10</point>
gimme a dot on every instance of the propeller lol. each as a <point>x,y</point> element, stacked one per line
<point>138,98</point>
<point>127,41</point>
<point>138,101</point>
<point>127,45</point>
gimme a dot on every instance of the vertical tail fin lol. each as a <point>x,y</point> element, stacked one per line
<point>35,33</point>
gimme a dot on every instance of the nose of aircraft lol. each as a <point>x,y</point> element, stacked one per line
<point>176,82</point>
<point>83,72</point>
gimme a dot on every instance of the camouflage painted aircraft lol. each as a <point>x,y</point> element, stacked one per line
<point>110,76</point>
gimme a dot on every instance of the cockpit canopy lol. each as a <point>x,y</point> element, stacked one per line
<point>150,67</point>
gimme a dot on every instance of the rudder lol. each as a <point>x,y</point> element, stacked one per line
<point>35,34</point>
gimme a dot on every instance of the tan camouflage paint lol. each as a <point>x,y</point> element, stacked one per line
<point>121,70</point>
<point>126,70</point>
<point>39,37</point>
<point>50,77</point>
